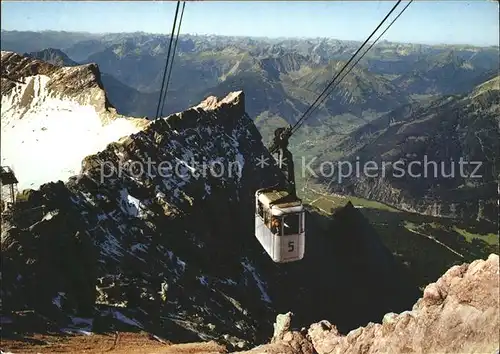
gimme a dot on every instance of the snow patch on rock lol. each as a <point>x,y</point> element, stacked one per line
<point>51,135</point>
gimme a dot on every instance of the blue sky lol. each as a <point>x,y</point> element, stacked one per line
<point>452,22</point>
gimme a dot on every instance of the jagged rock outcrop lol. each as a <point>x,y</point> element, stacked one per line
<point>281,326</point>
<point>292,343</point>
<point>285,340</point>
<point>78,83</point>
<point>459,313</point>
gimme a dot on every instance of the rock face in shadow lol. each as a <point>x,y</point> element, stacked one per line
<point>348,268</point>
<point>372,282</point>
<point>459,313</point>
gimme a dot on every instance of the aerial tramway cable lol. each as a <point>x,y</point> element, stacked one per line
<point>173,55</point>
<point>288,204</point>
<point>168,57</point>
<point>357,61</point>
<point>320,97</point>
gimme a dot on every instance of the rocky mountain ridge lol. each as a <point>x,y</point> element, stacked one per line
<point>437,136</point>
<point>80,83</point>
<point>146,207</point>
<point>390,74</point>
<point>127,100</point>
<point>458,313</point>
<point>53,56</point>
<point>279,85</point>
<point>57,111</point>
<point>323,49</point>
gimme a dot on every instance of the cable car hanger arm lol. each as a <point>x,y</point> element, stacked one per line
<point>279,146</point>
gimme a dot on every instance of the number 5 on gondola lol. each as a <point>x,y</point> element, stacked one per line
<point>279,225</point>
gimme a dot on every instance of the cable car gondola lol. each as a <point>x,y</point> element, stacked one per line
<point>279,213</point>
<point>280,225</point>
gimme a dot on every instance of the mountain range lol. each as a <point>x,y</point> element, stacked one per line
<point>89,249</point>
<point>453,143</point>
<point>280,77</point>
<point>381,111</point>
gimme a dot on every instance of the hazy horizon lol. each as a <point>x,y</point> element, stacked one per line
<point>473,23</point>
<point>255,37</point>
